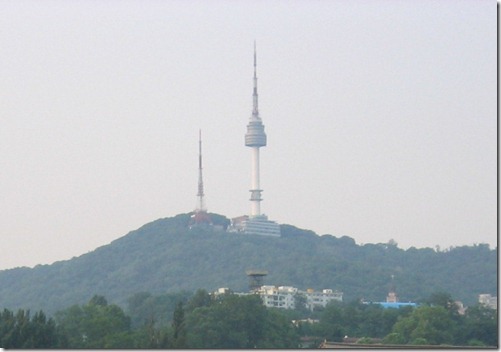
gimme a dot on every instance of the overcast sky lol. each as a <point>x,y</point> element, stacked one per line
<point>380,115</point>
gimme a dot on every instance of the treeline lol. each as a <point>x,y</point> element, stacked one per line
<point>434,322</point>
<point>202,320</point>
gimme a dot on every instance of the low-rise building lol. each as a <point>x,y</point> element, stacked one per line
<point>321,298</point>
<point>287,297</point>
<point>488,300</point>
<point>278,297</point>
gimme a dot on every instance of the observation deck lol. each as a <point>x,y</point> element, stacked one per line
<point>255,136</point>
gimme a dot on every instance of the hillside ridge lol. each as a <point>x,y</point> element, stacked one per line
<point>166,256</point>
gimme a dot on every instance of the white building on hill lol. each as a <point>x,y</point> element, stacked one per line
<point>488,300</point>
<point>320,299</point>
<point>286,297</point>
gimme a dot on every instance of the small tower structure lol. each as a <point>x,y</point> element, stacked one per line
<point>200,217</point>
<point>256,278</point>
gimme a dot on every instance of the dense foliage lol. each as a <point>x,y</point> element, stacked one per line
<point>167,256</point>
<point>20,330</point>
<point>437,322</point>
<point>232,321</point>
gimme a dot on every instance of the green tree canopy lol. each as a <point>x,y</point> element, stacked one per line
<point>94,325</point>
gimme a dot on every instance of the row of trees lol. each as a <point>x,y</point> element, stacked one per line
<point>202,322</point>
<point>435,322</point>
<point>21,330</point>
<point>232,321</point>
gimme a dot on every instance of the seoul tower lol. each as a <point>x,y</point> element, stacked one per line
<point>255,138</point>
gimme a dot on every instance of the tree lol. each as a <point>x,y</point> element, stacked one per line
<point>178,324</point>
<point>232,322</point>
<point>300,303</point>
<point>278,331</point>
<point>201,298</point>
<point>20,331</point>
<point>480,326</point>
<point>434,324</point>
<point>94,324</point>
<point>98,301</point>
<point>332,324</point>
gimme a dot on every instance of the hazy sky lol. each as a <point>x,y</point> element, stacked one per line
<point>381,118</point>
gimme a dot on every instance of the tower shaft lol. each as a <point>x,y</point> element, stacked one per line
<point>255,189</point>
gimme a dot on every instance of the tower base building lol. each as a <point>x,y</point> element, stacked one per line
<point>255,225</point>
<point>260,225</point>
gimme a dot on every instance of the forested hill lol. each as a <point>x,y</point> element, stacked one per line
<point>166,256</point>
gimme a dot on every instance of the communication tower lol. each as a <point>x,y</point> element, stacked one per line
<point>255,138</point>
<point>200,217</point>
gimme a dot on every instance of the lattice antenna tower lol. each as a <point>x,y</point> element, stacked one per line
<point>200,194</point>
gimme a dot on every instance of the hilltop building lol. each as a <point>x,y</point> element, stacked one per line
<point>255,138</point>
<point>257,225</point>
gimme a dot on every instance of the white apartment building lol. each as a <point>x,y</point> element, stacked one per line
<point>320,299</point>
<point>488,300</point>
<point>285,297</point>
<point>278,297</point>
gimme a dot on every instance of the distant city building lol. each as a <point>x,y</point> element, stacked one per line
<point>393,304</point>
<point>316,299</point>
<point>392,299</point>
<point>488,300</point>
<point>278,297</point>
<point>461,307</point>
<point>222,291</point>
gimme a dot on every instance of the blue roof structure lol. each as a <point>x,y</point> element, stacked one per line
<point>393,304</point>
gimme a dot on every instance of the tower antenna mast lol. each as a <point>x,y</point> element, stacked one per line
<point>200,194</point>
<point>200,217</point>
<point>255,111</point>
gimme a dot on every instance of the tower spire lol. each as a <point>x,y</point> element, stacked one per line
<point>255,111</point>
